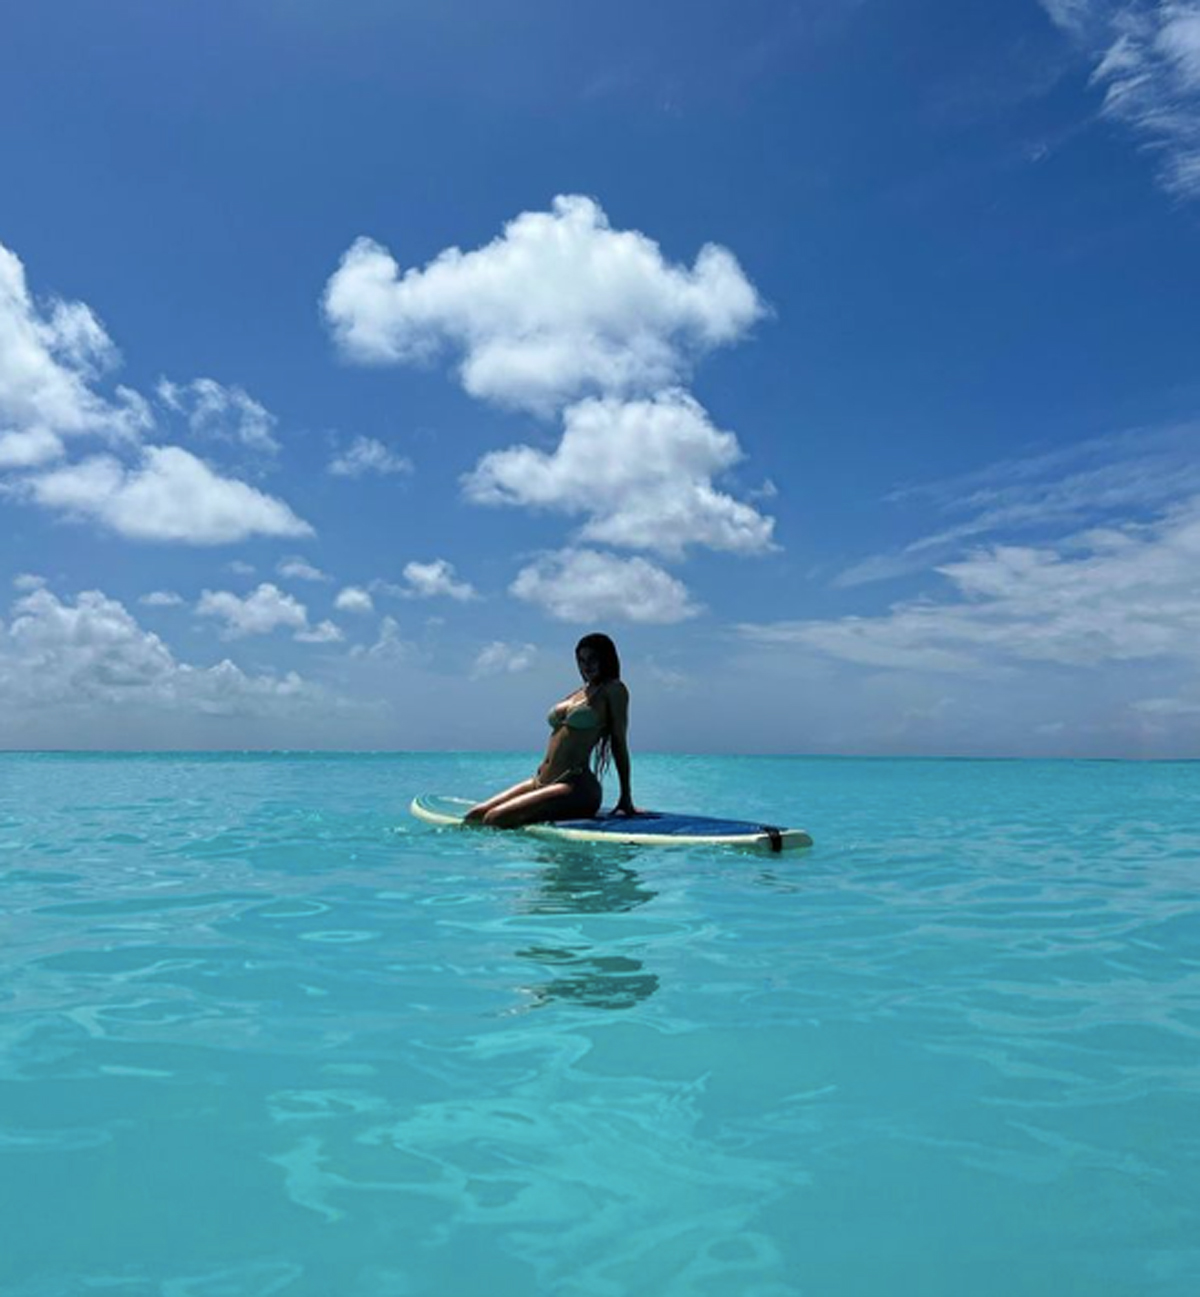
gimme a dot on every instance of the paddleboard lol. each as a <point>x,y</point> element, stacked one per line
<point>650,829</point>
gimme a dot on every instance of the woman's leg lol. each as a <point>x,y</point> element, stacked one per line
<point>476,813</point>
<point>578,799</point>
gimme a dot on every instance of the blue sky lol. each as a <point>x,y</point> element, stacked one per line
<point>838,357</point>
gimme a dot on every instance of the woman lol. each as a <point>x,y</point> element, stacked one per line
<point>593,720</point>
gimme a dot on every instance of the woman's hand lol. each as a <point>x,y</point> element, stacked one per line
<point>625,807</point>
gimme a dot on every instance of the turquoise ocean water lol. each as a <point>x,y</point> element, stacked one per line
<point>262,1033</point>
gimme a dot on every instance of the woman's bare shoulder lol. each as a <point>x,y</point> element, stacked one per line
<point>617,693</point>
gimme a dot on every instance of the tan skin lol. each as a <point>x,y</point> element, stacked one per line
<point>537,800</point>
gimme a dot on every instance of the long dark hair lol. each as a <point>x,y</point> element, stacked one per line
<point>610,669</point>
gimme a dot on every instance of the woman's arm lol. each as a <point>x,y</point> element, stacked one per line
<point>618,713</point>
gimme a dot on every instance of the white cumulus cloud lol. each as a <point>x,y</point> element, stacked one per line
<point>430,580</point>
<point>642,470</point>
<point>366,455</point>
<point>50,355</point>
<point>53,357</point>
<point>584,585</point>
<point>354,599</point>
<point>295,568</point>
<point>93,648</point>
<point>561,304</point>
<point>258,613</point>
<point>500,658</point>
<point>170,496</point>
<point>161,599</point>
<point>29,448</point>
<point>90,650</point>
<point>325,632</point>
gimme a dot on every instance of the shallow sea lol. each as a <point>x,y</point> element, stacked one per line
<point>262,1033</point>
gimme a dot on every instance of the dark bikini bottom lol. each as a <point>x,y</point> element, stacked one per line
<point>583,800</point>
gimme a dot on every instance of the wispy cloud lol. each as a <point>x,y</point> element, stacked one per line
<point>213,410</point>
<point>1101,596</point>
<point>1146,56</point>
<point>1060,610</point>
<point>1121,477</point>
<point>390,646</point>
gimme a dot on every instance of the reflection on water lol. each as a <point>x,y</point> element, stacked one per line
<point>579,879</point>
<point>588,880</point>
<point>599,981</point>
<point>778,882</point>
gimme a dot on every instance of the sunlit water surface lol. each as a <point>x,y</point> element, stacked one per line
<point>262,1033</point>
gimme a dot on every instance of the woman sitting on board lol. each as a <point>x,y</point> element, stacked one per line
<point>591,722</point>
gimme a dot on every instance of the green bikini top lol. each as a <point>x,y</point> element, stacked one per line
<point>579,717</point>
